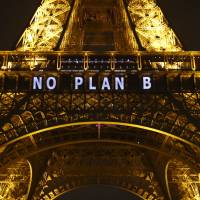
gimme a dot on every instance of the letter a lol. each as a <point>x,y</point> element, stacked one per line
<point>105,84</point>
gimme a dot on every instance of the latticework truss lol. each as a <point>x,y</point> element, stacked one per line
<point>46,26</point>
<point>183,181</point>
<point>125,29</point>
<point>15,181</point>
<point>152,27</point>
<point>73,36</point>
<point>105,165</point>
<point>149,26</point>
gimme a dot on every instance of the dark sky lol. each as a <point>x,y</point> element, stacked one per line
<point>183,16</point>
<point>101,192</point>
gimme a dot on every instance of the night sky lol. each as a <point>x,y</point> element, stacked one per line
<point>93,192</point>
<point>182,15</point>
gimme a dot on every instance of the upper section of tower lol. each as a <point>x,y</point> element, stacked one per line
<point>93,25</point>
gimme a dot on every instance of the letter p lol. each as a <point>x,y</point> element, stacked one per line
<point>78,82</point>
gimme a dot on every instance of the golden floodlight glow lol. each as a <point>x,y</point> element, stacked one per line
<point>45,27</point>
<point>152,27</point>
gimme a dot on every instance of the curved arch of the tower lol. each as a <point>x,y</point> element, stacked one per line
<point>52,143</point>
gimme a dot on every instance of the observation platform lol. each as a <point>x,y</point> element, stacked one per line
<point>169,71</point>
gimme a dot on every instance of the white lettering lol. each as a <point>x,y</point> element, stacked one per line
<point>78,82</point>
<point>105,84</point>
<point>51,83</point>
<point>146,83</point>
<point>91,86</point>
<point>119,83</point>
<point>37,83</point>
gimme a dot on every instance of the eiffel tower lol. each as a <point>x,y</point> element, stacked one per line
<point>53,142</point>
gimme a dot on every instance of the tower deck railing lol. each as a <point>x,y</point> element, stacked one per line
<point>110,60</point>
<point>167,71</point>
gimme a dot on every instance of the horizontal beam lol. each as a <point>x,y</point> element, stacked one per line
<point>57,60</point>
<point>104,123</point>
<point>181,53</point>
<point>100,81</point>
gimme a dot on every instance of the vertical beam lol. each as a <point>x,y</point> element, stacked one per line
<point>133,27</point>
<point>159,172</point>
<point>65,26</point>
<point>39,165</point>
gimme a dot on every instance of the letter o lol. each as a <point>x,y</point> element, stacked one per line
<point>51,83</point>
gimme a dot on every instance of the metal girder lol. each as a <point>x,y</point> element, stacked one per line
<point>82,133</point>
<point>150,30</point>
<point>128,30</point>
<point>109,60</point>
<point>73,34</point>
<point>152,111</point>
<point>152,27</point>
<point>190,102</point>
<point>9,102</point>
<point>78,133</point>
<point>45,112</point>
<point>15,180</point>
<point>117,165</point>
<point>46,26</point>
<point>183,181</point>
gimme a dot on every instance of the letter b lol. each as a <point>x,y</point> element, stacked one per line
<point>146,83</point>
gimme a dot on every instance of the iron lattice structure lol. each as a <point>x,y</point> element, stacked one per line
<point>46,26</point>
<point>147,144</point>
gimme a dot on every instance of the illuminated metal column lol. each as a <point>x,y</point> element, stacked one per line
<point>46,26</point>
<point>15,180</point>
<point>183,181</point>
<point>152,27</point>
<point>73,34</point>
<point>125,27</point>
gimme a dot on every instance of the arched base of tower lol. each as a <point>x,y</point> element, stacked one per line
<point>104,192</point>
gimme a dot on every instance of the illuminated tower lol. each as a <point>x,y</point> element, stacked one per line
<point>144,142</point>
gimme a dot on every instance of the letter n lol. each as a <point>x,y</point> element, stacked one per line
<point>37,83</point>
